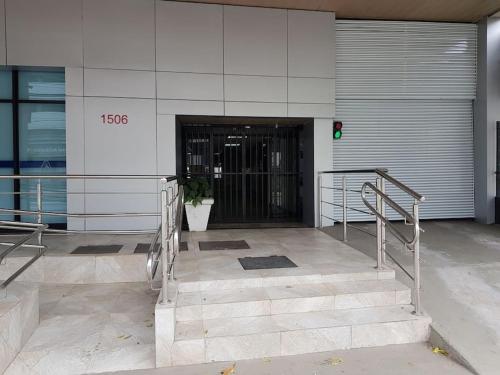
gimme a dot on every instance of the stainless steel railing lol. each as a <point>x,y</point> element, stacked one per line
<point>169,231</point>
<point>382,221</point>
<point>169,234</point>
<point>36,231</point>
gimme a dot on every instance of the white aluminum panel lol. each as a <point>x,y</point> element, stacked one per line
<point>189,86</point>
<point>44,32</point>
<point>311,90</point>
<point>255,109</point>
<point>311,44</point>
<point>394,60</point>
<point>75,135</point>
<point>311,110</point>
<point>426,144</point>
<point>119,83</point>
<point>119,203</point>
<point>323,142</point>
<point>119,34</point>
<point>255,41</point>
<point>120,149</point>
<point>189,37</point>
<point>190,107</point>
<point>3,50</point>
<point>74,81</point>
<point>166,148</point>
<point>255,89</point>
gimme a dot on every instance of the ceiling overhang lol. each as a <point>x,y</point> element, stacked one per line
<point>417,10</point>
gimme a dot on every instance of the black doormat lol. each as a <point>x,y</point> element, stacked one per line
<point>97,249</point>
<point>265,263</point>
<point>223,245</point>
<point>143,248</point>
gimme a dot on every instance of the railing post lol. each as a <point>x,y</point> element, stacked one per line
<point>379,225</point>
<point>344,207</point>
<point>164,242</point>
<point>39,209</point>
<point>383,231</point>
<point>320,200</point>
<point>416,260</point>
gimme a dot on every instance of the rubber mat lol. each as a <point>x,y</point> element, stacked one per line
<point>265,263</point>
<point>223,245</point>
<point>97,249</point>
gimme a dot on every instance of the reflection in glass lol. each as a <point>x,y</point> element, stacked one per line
<point>6,159</point>
<point>5,84</point>
<point>41,85</point>
<point>42,151</point>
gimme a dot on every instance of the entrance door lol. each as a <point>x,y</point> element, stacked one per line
<point>253,170</point>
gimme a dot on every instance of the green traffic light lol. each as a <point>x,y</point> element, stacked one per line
<point>337,134</point>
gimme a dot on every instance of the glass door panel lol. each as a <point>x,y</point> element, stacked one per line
<point>42,151</point>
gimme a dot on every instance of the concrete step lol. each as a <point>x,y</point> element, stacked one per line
<point>296,298</point>
<point>287,276</point>
<point>228,339</point>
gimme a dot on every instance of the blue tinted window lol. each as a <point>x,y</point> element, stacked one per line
<point>6,159</point>
<point>41,85</point>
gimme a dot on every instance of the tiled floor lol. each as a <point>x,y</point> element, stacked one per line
<point>314,252</point>
<point>90,328</point>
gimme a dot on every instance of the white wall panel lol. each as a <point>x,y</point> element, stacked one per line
<point>119,34</point>
<point>323,142</point>
<point>44,32</point>
<point>311,110</point>
<point>74,81</point>
<point>75,160</point>
<point>255,109</point>
<point>133,203</point>
<point>396,60</point>
<point>3,50</point>
<point>189,37</point>
<point>190,107</point>
<point>311,90</point>
<point>311,44</point>
<point>119,83</point>
<point>120,149</point>
<point>255,41</point>
<point>166,144</point>
<point>255,88</point>
<point>189,86</point>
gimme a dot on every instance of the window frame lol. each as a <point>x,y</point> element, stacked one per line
<point>15,102</point>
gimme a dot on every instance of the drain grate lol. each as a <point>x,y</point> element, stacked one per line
<point>97,249</point>
<point>265,263</point>
<point>143,248</point>
<point>223,245</point>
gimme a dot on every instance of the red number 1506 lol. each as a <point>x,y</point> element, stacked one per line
<point>114,119</point>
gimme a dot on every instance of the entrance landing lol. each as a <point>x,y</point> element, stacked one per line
<point>318,257</point>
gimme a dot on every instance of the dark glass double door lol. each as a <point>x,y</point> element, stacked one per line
<point>253,171</point>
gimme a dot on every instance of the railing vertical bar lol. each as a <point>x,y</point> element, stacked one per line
<point>416,260</point>
<point>383,229</point>
<point>39,208</point>
<point>320,199</point>
<point>378,207</point>
<point>164,242</point>
<point>344,207</point>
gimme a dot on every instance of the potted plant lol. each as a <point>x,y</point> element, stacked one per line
<point>198,202</point>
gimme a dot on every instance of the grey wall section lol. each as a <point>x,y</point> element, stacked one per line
<point>151,60</point>
<point>487,112</point>
<point>405,92</point>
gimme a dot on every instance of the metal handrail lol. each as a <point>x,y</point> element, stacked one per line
<point>90,177</point>
<point>383,173</point>
<point>408,218</point>
<point>37,231</point>
<point>413,244</point>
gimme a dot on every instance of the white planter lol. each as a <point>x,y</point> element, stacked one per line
<point>197,217</point>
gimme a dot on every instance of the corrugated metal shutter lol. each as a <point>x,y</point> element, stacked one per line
<point>404,92</point>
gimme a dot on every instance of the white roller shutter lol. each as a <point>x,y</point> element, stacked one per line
<point>404,92</point>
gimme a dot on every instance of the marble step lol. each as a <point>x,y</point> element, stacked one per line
<point>229,339</point>
<point>288,276</point>
<point>274,300</point>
